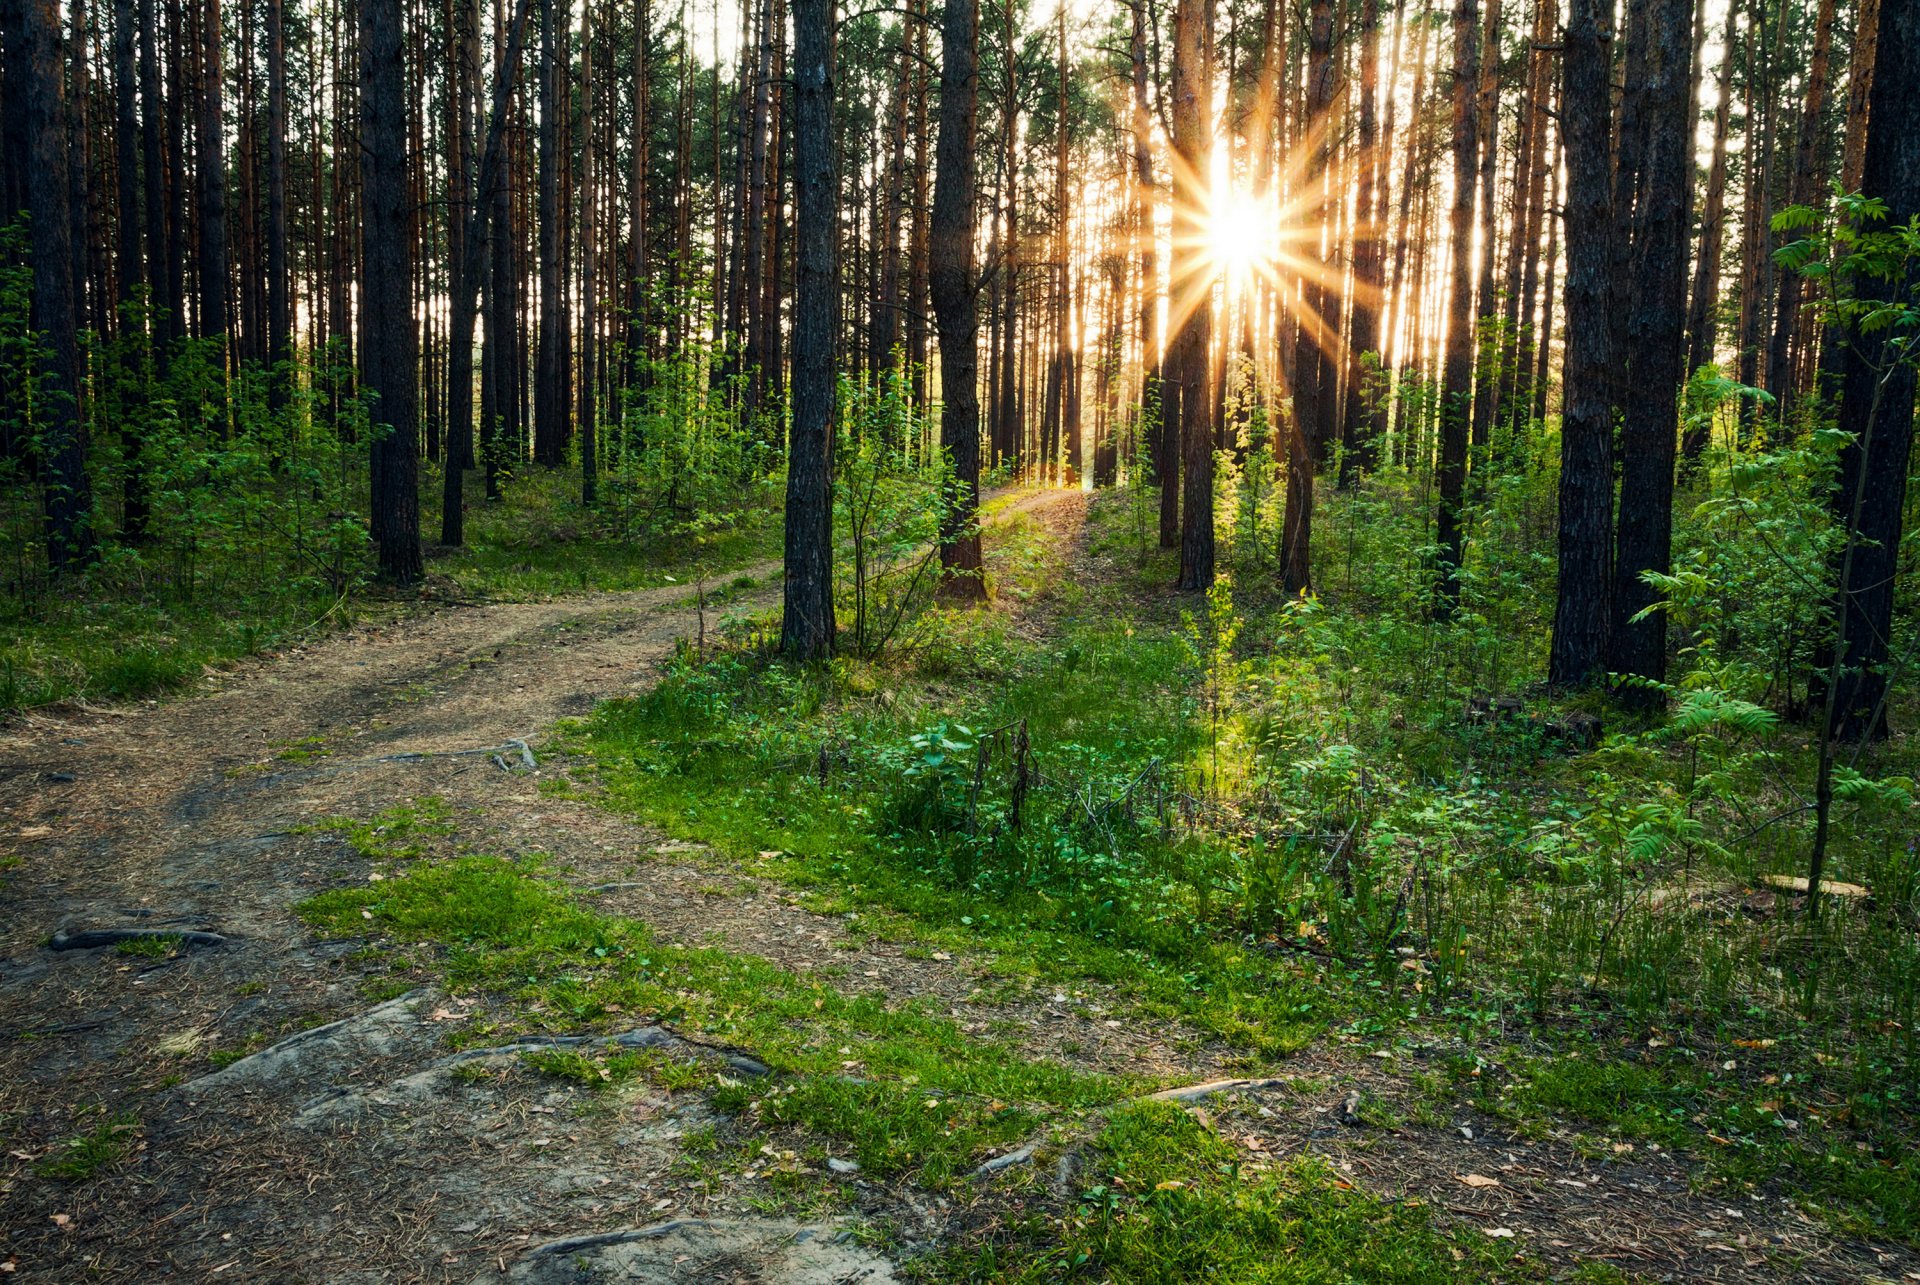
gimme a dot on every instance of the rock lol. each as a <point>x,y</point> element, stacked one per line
<point>693,1249</point>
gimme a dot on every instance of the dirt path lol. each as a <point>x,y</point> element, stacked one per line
<point>370,1149</point>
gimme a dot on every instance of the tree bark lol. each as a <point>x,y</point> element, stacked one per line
<point>806,620</point>
<point>389,339</point>
<point>1456,395</point>
<point>1875,378</point>
<point>1582,615</point>
<point>955,301</point>
<point>1192,283</point>
<point>550,385</point>
<point>34,64</point>
<point>1655,322</point>
<point>214,321</point>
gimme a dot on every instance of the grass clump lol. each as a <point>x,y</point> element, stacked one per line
<point>85,1154</point>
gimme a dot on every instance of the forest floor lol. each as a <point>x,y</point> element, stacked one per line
<point>290,1098</point>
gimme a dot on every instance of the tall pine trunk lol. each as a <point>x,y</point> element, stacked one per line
<point>1655,322</point>
<point>389,339</point>
<point>806,622</point>
<point>1582,615</point>
<point>955,308</point>
<point>1192,284</point>
<point>1456,394</point>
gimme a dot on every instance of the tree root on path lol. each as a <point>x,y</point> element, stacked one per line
<point>94,938</point>
<point>639,1037</point>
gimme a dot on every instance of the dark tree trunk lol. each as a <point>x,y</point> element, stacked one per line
<point>135,505</point>
<point>1365,421</point>
<point>955,300</point>
<point>1304,447</point>
<point>1191,285</point>
<point>550,382</point>
<point>1581,612</point>
<point>389,337</point>
<point>1143,231</point>
<point>1456,395</point>
<point>1802,189</point>
<point>214,321</point>
<point>1875,379</point>
<point>279,295</point>
<point>1654,325</point>
<point>1487,130</point>
<point>1703,303</point>
<point>154,114</point>
<point>586,414</point>
<point>955,290</point>
<point>34,64</point>
<point>806,619</point>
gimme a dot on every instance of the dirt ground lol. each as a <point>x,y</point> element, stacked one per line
<point>363,1147</point>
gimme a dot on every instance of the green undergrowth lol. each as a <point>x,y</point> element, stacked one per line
<point>148,620</point>
<point>1270,818</point>
<point>900,1084</point>
<point>1169,1201</point>
<point>537,540</point>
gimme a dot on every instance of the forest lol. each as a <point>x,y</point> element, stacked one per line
<point>1130,641</point>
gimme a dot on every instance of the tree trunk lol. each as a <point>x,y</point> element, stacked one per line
<point>34,64</point>
<point>806,621</point>
<point>1304,446</point>
<point>1875,377</point>
<point>279,288</point>
<point>1703,305</point>
<point>1192,283</point>
<point>214,321</point>
<point>1456,404</point>
<point>1654,326</point>
<point>1365,420</point>
<point>589,270</point>
<point>1802,189</point>
<point>1582,615</point>
<point>549,381</point>
<point>955,307</point>
<point>389,338</point>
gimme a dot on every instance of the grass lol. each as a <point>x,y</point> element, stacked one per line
<point>864,1070</point>
<point>1183,842</point>
<point>1171,1202</point>
<point>85,1154</point>
<point>143,623</point>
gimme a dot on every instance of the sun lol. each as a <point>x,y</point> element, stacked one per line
<point>1239,238</point>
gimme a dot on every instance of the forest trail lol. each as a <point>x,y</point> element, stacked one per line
<point>368,1136</point>
<point>195,816</point>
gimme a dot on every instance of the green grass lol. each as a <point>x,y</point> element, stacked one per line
<point>1170,1202</point>
<point>1448,921</point>
<point>536,541</point>
<point>149,947</point>
<point>862,1070</point>
<point>127,629</point>
<point>85,1154</point>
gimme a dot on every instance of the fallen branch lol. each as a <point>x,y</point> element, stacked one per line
<point>600,1240</point>
<point>94,938</point>
<point>1212,1088</point>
